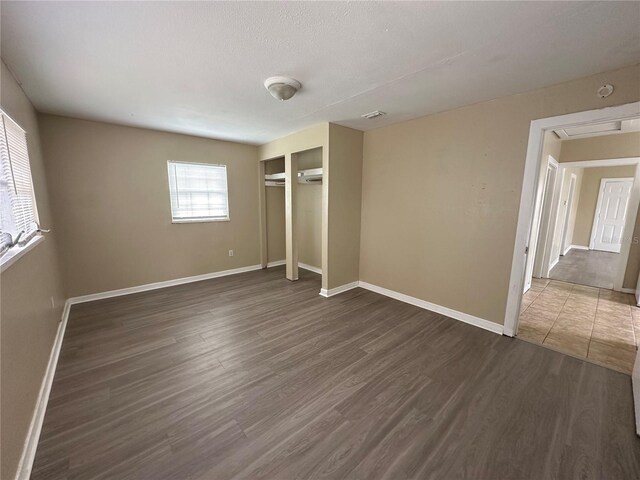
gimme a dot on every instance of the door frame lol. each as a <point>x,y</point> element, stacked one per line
<point>534,235</point>
<point>594,224</point>
<point>547,230</point>
<point>533,159</point>
<point>573,180</point>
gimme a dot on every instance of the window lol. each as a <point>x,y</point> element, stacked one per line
<point>198,192</point>
<point>18,214</point>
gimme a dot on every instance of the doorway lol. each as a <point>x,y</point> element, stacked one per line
<point>572,314</point>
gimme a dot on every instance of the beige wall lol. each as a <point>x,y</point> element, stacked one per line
<point>110,195</point>
<point>621,145</point>
<point>345,202</point>
<point>440,194</point>
<point>589,198</point>
<point>28,321</point>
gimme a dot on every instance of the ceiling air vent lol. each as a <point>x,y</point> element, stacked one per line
<point>374,114</point>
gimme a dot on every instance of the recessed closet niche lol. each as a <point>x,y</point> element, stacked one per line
<point>274,199</point>
<point>308,209</point>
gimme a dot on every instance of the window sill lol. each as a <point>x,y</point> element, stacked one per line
<point>13,254</point>
<point>200,220</point>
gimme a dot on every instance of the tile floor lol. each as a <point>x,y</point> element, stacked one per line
<point>587,267</point>
<point>593,323</point>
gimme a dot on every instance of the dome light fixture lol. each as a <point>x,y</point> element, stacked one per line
<point>282,88</point>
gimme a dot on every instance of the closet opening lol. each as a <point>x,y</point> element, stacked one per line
<point>301,200</point>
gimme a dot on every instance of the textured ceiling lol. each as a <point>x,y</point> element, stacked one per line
<point>198,67</point>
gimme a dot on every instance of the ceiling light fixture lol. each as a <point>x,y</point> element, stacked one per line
<point>282,88</point>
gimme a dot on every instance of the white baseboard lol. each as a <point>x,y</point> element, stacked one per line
<point>554,263</point>
<point>628,290</point>
<point>154,286</point>
<point>578,247</point>
<point>566,250</point>
<point>463,317</point>
<point>335,291</point>
<point>35,427</point>
<point>276,263</point>
<point>311,268</point>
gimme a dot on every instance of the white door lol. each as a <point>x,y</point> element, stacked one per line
<point>568,206</point>
<point>611,212</point>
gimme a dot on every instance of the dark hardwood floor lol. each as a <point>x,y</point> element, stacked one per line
<point>252,376</point>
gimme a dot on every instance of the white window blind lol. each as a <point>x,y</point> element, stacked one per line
<point>18,213</point>
<point>198,192</point>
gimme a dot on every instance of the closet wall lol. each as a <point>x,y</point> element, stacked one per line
<point>274,199</point>
<point>309,212</point>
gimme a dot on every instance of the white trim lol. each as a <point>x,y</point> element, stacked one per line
<point>335,291</point>
<point>573,181</point>
<point>596,214</point>
<point>527,194</point>
<point>276,263</point>
<point>463,317</point>
<point>154,286</point>
<point>605,162</point>
<point>628,290</point>
<point>12,255</point>
<point>35,427</point>
<point>578,247</point>
<point>311,268</point>
<point>547,227</point>
<point>547,262</point>
<point>178,221</point>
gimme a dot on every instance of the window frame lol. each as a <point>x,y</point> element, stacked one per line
<point>13,254</point>
<point>175,220</point>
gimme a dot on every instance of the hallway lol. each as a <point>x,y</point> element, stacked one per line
<point>587,267</point>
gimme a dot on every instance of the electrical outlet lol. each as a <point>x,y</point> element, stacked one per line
<point>231,253</point>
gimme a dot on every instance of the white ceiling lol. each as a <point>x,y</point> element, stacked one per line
<point>198,67</point>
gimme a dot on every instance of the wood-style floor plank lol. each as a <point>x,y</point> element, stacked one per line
<point>253,376</point>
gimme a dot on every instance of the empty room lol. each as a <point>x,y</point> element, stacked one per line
<point>341,240</point>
